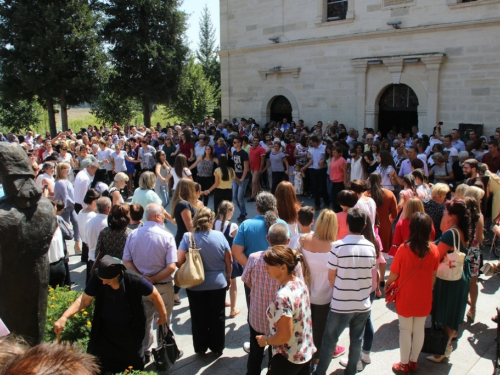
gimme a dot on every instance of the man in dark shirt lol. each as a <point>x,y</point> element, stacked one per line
<point>241,168</point>
<point>492,157</point>
<point>470,172</point>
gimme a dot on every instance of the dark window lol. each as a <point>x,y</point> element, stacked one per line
<point>336,10</point>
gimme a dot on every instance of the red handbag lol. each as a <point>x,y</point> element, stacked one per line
<point>392,290</point>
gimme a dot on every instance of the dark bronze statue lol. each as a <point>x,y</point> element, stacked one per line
<point>27,223</point>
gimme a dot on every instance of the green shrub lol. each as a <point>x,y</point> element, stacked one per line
<point>77,329</point>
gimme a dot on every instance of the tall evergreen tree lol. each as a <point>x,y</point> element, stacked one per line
<point>51,50</point>
<point>147,49</point>
<point>207,49</point>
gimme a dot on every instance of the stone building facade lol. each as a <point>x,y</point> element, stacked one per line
<point>366,63</point>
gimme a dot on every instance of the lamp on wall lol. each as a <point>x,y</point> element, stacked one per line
<point>395,24</point>
<point>275,39</point>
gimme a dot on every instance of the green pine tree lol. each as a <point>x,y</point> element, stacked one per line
<point>147,51</point>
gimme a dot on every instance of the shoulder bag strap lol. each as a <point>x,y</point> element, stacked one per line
<point>193,241</point>
<point>411,274</point>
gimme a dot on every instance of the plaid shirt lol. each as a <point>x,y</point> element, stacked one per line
<point>263,291</point>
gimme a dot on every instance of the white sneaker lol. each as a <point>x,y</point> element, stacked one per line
<point>343,363</point>
<point>246,347</point>
<point>366,358</point>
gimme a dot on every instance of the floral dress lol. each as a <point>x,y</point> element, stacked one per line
<point>292,300</point>
<point>298,183</point>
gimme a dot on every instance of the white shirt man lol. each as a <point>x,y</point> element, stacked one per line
<point>82,182</point>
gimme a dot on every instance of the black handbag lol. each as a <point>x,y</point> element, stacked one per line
<point>167,352</point>
<point>435,342</point>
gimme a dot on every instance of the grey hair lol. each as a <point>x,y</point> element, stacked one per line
<point>267,205</point>
<point>47,165</point>
<point>152,210</point>
<point>278,234</point>
<point>90,161</point>
<point>463,156</point>
<point>147,181</point>
<point>103,205</point>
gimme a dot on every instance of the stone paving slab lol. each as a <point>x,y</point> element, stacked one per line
<point>473,353</point>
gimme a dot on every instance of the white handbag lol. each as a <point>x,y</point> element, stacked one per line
<point>452,265</point>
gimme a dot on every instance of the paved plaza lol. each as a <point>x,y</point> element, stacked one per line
<point>473,354</point>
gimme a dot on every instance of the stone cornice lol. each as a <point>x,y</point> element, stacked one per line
<point>364,35</point>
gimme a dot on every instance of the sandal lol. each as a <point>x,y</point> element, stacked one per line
<point>234,313</point>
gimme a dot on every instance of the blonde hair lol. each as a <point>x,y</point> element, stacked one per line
<point>60,167</point>
<point>474,192</point>
<point>413,205</point>
<point>326,226</point>
<point>461,190</point>
<point>147,181</point>
<point>185,191</point>
<point>221,141</point>
<point>203,220</point>
<point>120,176</point>
<point>224,208</point>
<point>439,190</point>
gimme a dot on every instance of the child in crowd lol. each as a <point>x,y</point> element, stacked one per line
<point>136,213</point>
<point>298,181</point>
<point>305,221</point>
<point>223,224</point>
<point>130,167</point>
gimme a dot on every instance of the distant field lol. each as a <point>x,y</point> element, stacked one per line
<point>79,114</point>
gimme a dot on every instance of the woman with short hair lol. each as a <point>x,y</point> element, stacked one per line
<point>145,194</point>
<point>119,182</point>
<point>111,240</point>
<point>434,206</point>
<point>207,300</point>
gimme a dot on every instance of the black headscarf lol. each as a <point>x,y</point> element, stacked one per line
<point>110,267</point>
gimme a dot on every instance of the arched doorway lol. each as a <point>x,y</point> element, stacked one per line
<point>398,106</point>
<point>280,108</point>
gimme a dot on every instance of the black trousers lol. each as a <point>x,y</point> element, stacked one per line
<point>222,195</point>
<point>319,315</point>
<point>57,273</point>
<point>277,178</point>
<point>208,319</point>
<point>337,187</point>
<point>318,181</point>
<point>256,355</point>
<point>206,183</point>
<point>85,253</point>
<point>282,366</point>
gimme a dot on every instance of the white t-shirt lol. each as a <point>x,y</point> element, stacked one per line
<point>386,180</point>
<point>185,173</point>
<point>119,160</point>
<point>320,290</point>
<point>369,206</point>
<point>232,228</point>
<point>357,172</point>
<point>82,218</point>
<point>105,154</point>
<point>56,249</point>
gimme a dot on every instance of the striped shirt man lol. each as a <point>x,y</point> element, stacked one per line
<point>353,258</point>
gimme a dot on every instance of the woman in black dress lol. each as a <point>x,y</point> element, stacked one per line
<point>118,324</point>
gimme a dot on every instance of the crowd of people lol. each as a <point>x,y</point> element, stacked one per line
<point>403,198</point>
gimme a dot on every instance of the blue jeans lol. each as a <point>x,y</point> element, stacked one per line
<point>335,325</point>
<point>162,191</point>
<point>239,194</point>
<point>369,331</point>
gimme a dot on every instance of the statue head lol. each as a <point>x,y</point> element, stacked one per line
<point>18,177</point>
